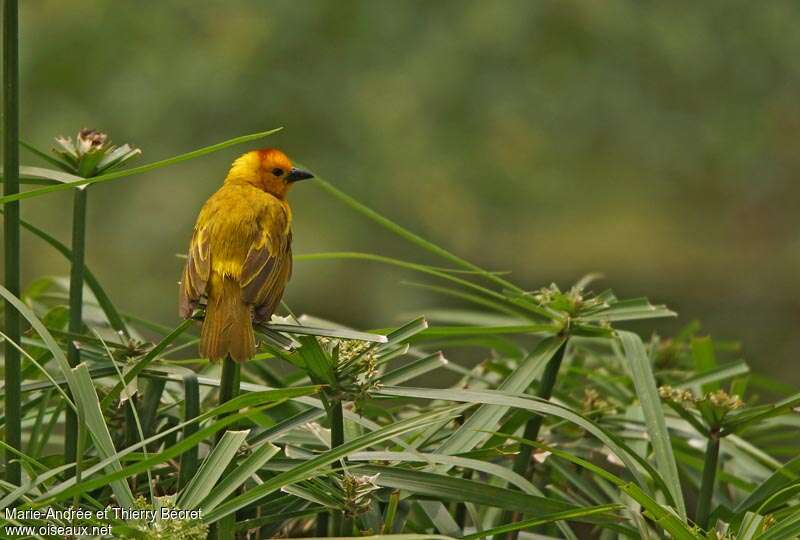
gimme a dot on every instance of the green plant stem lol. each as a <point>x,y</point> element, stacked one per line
<point>346,526</point>
<point>13,375</point>
<point>337,424</point>
<point>709,479</point>
<point>336,419</point>
<point>191,409</point>
<point>150,403</point>
<point>75,309</point>
<point>321,528</point>
<point>522,463</point>
<point>228,383</point>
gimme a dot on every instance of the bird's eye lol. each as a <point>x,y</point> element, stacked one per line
<point>277,171</point>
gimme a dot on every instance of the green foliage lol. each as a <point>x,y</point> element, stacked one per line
<point>399,432</point>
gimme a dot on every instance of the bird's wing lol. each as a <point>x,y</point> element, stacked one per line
<point>196,272</point>
<point>268,265</point>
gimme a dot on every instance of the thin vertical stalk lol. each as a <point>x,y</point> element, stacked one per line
<point>228,386</point>
<point>523,464</point>
<point>391,513</point>
<point>75,308</point>
<point>13,376</point>
<point>225,529</point>
<point>709,479</point>
<point>191,409</point>
<point>150,403</point>
<point>337,424</point>
<point>346,528</point>
<point>321,528</point>
<point>229,380</point>
<point>336,418</point>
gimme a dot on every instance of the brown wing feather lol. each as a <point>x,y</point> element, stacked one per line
<point>196,273</point>
<point>265,273</point>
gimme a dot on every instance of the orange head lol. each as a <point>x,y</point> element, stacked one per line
<point>267,169</point>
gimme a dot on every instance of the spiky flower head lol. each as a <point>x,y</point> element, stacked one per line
<point>92,153</point>
<point>356,490</point>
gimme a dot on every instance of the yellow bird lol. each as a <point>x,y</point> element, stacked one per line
<point>240,256</point>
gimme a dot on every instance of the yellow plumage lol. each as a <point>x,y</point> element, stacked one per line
<point>240,256</point>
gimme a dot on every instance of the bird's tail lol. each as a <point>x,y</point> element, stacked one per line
<point>227,328</point>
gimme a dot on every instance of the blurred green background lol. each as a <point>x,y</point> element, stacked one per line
<point>656,143</point>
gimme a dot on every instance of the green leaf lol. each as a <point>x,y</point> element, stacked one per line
<point>628,310</point>
<point>42,176</point>
<point>526,402</point>
<point>144,361</point>
<point>327,332</point>
<point>136,170</point>
<point>211,469</point>
<point>425,269</point>
<point>89,413</point>
<point>739,419</point>
<point>578,514</point>
<point>787,475</point>
<point>448,488</point>
<point>237,477</point>
<point>752,526</point>
<point>316,361</point>
<point>48,158</point>
<point>784,529</point>
<point>82,388</point>
<point>663,515</point>
<point>716,375</point>
<point>314,466</point>
<point>643,380</point>
<point>248,404</point>
<point>411,237</point>
<point>474,429</point>
<point>414,369</point>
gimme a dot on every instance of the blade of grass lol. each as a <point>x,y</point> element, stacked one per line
<point>786,475</point>
<point>136,170</point>
<point>312,467</point>
<point>211,469</point>
<point>411,237</point>
<point>254,401</point>
<point>522,401</point>
<point>663,515</point>
<point>41,176</point>
<point>151,355</point>
<point>51,160</point>
<point>92,416</point>
<point>638,362</point>
<point>448,488</point>
<point>414,369</point>
<point>239,475</point>
<point>579,514</point>
<point>523,465</point>
<point>328,332</point>
<point>425,269</point>
<point>489,468</point>
<point>473,430</point>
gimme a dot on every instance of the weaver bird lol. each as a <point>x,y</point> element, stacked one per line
<point>240,256</point>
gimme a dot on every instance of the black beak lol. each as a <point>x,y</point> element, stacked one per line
<point>298,174</point>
